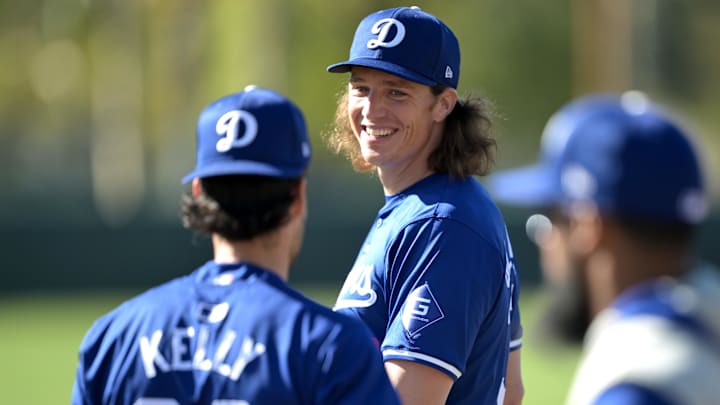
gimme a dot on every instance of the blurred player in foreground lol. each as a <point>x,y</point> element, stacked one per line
<point>436,276</point>
<point>623,192</point>
<point>233,332</point>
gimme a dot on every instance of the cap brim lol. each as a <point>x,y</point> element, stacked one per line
<point>240,167</point>
<point>529,186</point>
<point>387,67</point>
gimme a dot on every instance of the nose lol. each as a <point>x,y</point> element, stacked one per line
<point>373,105</point>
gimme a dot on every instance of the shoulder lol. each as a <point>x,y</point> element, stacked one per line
<point>130,313</point>
<point>646,341</point>
<point>467,202</point>
<point>465,193</point>
<point>631,394</point>
<point>652,350</point>
<point>320,320</point>
<point>462,200</point>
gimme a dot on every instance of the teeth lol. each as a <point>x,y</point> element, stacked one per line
<point>378,132</point>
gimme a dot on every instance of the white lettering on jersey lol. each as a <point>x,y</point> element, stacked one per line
<point>508,259</point>
<point>180,343</point>
<point>151,356</point>
<point>421,310</point>
<point>382,30</point>
<point>357,292</point>
<point>227,126</point>
<point>181,359</point>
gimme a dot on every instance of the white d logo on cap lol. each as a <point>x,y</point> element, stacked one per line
<point>578,183</point>
<point>693,206</point>
<point>227,127</point>
<point>382,29</point>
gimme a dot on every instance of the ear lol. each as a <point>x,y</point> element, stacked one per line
<point>299,206</point>
<point>196,187</point>
<point>444,104</point>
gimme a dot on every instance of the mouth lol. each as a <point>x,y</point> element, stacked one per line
<point>378,132</point>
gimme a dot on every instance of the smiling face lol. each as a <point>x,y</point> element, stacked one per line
<point>397,123</point>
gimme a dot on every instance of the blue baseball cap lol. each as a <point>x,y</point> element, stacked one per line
<point>406,42</point>
<point>619,152</point>
<point>254,132</point>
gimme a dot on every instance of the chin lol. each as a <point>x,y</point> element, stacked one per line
<point>371,158</point>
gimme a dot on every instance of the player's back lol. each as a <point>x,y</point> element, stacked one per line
<point>236,334</point>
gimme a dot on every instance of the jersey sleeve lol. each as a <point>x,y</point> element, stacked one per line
<point>449,295</point>
<point>79,389</point>
<point>516,329</point>
<point>89,382</point>
<point>352,371</point>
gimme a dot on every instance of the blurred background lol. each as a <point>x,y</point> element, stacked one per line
<point>99,99</point>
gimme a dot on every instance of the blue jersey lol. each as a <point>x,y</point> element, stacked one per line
<point>228,334</point>
<point>658,343</point>
<point>433,280</point>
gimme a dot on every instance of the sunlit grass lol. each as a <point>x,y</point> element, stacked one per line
<point>41,333</point>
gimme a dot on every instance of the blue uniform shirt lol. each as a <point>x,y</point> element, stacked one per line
<point>658,343</point>
<point>231,334</point>
<point>434,280</point>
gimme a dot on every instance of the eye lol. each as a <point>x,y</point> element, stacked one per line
<point>358,90</point>
<point>397,93</point>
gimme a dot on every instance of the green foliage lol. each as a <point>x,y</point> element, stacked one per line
<point>101,98</point>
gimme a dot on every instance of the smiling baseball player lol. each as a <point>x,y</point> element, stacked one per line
<point>435,276</point>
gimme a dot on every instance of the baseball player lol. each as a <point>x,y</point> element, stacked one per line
<point>233,332</point>
<point>623,193</point>
<point>435,276</point>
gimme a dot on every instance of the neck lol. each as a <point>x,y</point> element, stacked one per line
<point>395,181</point>
<point>264,251</point>
<point>644,264</point>
<point>611,272</point>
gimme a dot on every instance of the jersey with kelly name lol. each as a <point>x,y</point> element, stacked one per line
<point>434,280</point>
<point>230,334</point>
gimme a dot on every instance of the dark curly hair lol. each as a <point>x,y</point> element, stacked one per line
<point>239,207</point>
<point>467,146</point>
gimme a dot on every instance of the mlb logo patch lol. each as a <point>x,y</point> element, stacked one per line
<point>421,310</point>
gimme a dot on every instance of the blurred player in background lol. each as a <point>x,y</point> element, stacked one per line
<point>435,277</point>
<point>233,331</point>
<point>623,193</point>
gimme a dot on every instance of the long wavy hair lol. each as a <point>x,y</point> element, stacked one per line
<point>467,146</point>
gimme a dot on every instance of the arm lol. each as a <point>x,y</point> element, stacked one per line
<point>418,384</point>
<point>515,391</point>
